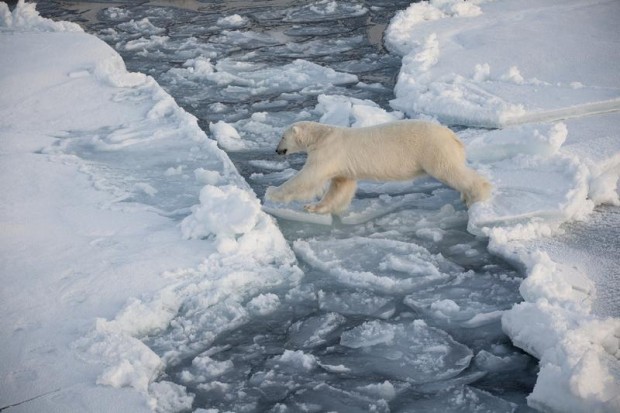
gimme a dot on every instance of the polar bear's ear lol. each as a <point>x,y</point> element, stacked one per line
<point>296,129</point>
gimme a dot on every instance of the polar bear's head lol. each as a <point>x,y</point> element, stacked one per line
<point>301,137</point>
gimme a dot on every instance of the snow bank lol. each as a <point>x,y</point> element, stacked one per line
<point>101,246</point>
<point>542,71</point>
<point>27,18</point>
<point>501,78</point>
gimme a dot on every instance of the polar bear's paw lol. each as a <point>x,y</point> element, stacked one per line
<point>317,208</point>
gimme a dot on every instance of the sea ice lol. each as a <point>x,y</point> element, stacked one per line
<point>464,301</point>
<point>472,63</point>
<point>315,331</point>
<point>316,11</point>
<point>234,20</point>
<point>459,66</point>
<point>376,264</point>
<point>356,303</point>
<point>93,165</point>
<point>461,399</point>
<point>412,352</point>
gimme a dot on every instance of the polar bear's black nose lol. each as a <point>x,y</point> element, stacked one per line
<point>281,151</point>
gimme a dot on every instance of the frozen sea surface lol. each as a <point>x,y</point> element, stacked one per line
<point>399,308</point>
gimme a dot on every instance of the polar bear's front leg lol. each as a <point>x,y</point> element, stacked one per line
<point>337,198</point>
<point>305,185</point>
<point>277,194</point>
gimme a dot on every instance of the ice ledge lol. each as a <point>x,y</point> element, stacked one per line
<point>459,67</point>
<point>474,64</point>
<point>83,92</point>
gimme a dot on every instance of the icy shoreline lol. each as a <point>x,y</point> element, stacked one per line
<point>545,174</point>
<point>85,243</point>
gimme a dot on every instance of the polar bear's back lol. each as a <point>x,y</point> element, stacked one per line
<point>401,149</point>
<point>411,132</point>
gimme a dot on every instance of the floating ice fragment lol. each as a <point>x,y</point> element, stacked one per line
<point>143,27</point>
<point>233,20</point>
<point>384,390</point>
<point>461,399</point>
<point>325,10</point>
<point>199,67</point>
<point>326,398</point>
<point>273,178</point>
<point>227,136</point>
<point>356,303</point>
<point>205,368</point>
<point>116,13</point>
<point>464,301</point>
<point>269,165</point>
<point>144,44</point>
<point>294,211</point>
<point>413,352</point>
<point>501,362</point>
<point>376,264</point>
<point>368,334</point>
<point>315,331</point>
<point>297,359</point>
<point>281,375</point>
<point>434,235</point>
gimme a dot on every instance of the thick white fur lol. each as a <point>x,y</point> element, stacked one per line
<point>398,150</point>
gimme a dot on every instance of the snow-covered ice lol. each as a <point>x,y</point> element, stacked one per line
<point>88,229</point>
<point>463,63</point>
<point>141,272</point>
<point>543,72</point>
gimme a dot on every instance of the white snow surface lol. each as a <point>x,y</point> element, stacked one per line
<point>88,268</point>
<point>544,72</point>
<point>489,64</point>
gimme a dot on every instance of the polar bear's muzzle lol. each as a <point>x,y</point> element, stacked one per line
<point>280,151</point>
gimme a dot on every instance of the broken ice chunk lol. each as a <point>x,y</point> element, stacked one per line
<point>376,264</point>
<point>461,399</point>
<point>412,352</point>
<point>466,301</point>
<point>356,303</point>
<point>315,331</point>
<point>326,398</point>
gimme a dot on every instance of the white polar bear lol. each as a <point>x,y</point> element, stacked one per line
<point>398,150</point>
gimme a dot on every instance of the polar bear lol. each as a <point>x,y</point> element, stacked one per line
<point>399,150</point>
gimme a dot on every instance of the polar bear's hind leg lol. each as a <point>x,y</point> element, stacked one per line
<point>472,186</point>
